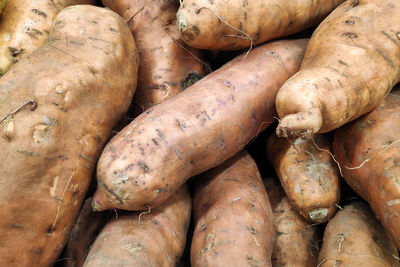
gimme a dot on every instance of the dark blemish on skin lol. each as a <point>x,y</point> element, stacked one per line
<point>141,150</point>
<point>291,23</point>
<point>245,16</point>
<point>113,30</point>
<point>144,166</point>
<point>231,179</point>
<point>32,32</point>
<point>386,57</point>
<point>156,222</point>
<point>155,142</point>
<point>245,3</point>
<point>195,30</point>
<point>343,63</point>
<point>157,77</point>
<point>40,13</point>
<point>112,193</point>
<point>190,79</point>
<point>161,135</point>
<point>189,36</point>
<point>349,35</point>
<point>349,22</point>
<point>203,122</point>
<point>92,70</point>
<point>28,153</point>
<point>14,51</point>
<point>222,143</point>
<point>130,166</point>
<point>203,228</point>
<point>94,22</point>
<point>178,153</point>
<point>327,79</point>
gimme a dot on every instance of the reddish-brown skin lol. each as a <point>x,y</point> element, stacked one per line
<point>231,25</point>
<point>296,239</point>
<point>194,131</point>
<point>308,174</point>
<point>145,239</point>
<point>351,63</point>
<point>83,233</point>
<point>354,237</point>
<point>49,149</point>
<point>168,66</point>
<point>368,152</point>
<point>232,216</point>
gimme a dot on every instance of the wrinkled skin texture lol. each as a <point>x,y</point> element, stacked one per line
<point>308,175</point>
<point>296,239</point>
<point>83,233</point>
<point>244,20</point>
<point>351,63</point>
<point>232,216</point>
<point>369,146</point>
<point>354,237</point>
<point>194,131</point>
<point>25,26</point>
<point>50,149</point>
<point>155,238</point>
<point>169,65</point>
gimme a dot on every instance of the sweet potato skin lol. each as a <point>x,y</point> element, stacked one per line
<point>143,239</point>
<point>354,237</point>
<point>308,175</point>
<point>190,133</point>
<point>25,26</point>
<point>50,147</point>
<point>229,25</point>
<point>351,63</point>
<point>367,150</point>
<point>232,215</point>
<point>296,240</point>
<point>168,66</point>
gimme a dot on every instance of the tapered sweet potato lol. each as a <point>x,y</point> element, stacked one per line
<point>232,215</point>
<point>368,152</point>
<point>168,66</point>
<point>296,240</point>
<point>351,63</point>
<point>25,26</point>
<point>354,237</point>
<point>83,233</point>
<point>58,106</point>
<point>152,238</point>
<point>162,148</point>
<point>231,25</point>
<point>308,175</point>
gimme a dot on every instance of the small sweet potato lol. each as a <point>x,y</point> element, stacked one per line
<point>232,215</point>
<point>368,151</point>
<point>354,237</point>
<point>58,106</point>
<point>351,63</point>
<point>234,25</point>
<point>151,238</point>
<point>25,26</point>
<point>308,175</point>
<point>194,131</point>
<point>168,66</point>
<point>296,239</point>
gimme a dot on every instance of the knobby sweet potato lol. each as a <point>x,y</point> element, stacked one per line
<point>58,106</point>
<point>351,63</point>
<point>354,237</point>
<point>168,66</point>
<point>308,175</point>
<point>234,25</point>
<point>232,216</point>
<point>25,26</point>
<point>296,240</point>
<point>151,238</point>
<point>194,131</point>
<point>368,152</point>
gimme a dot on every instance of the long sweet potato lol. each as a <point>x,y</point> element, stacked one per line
<point>162,148</point>
<point>232,215</point>
<point>296,240</point>
<point>234,25</point>
<point>308,175</point>
<point>58,106</point>
<point>25,26</point>
<point>351,63</point>
<point>354,237</point>
<point>368,151</point>
<point>168,66</point>
<point>152,238</point>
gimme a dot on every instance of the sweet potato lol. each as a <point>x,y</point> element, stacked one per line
<point>296,240</point>
<point>152,238</point>
<point>25,26</point>
<point>190,133</point>
<point>354,237</point>
<point>234,25</point>
<point>351,63</point>
<point>168,66</point>
<point>83,233</point>
<point>368,152</point>
<point>308,175</point>
<point>58,106</point>
<point>232,215</point>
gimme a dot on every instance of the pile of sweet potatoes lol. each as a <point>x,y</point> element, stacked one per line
<point>200,133</point>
